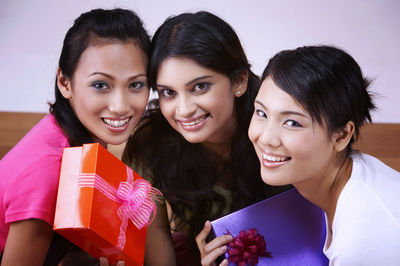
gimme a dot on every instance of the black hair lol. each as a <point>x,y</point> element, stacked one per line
<point>89,29</point>
<point>327,82</point>
<point>186,172</point>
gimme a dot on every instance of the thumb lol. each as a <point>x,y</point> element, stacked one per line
<point>202,236</point>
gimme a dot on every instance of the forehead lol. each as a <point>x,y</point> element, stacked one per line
<point>278,101</point>
<point>114,56</point>
<point>176,69</point>
<point>274,98</point>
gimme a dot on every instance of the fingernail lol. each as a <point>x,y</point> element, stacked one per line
<point>229,237</point>
<point>223,248</point>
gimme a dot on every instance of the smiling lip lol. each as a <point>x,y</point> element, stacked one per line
<point>193,124</point>
<point>273,161</point>
<point>116,125</point>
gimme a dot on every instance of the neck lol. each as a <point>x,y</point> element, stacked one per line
<point>324,191</point>
<point>220,156</point>
<point>222,149</point>
<point>221,142</point>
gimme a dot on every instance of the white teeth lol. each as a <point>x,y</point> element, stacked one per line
<point>193,122</point>
<point>115,123</point>
<point>274,158</point>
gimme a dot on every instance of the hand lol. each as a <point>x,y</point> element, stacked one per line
<point>211,251</point>
<point>104,262</point>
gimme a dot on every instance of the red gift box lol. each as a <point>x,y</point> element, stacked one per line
<point>102,205</point>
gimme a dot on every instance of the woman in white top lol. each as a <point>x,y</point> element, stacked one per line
<point>308,113</point>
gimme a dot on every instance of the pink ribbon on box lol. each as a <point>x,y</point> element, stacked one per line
<point>136,199</point>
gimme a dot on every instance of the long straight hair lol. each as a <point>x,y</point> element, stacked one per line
<point>187,172</point>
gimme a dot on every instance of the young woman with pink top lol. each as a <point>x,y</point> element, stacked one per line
<point>100,94</point>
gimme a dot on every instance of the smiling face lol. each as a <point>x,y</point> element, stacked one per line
<point>291,148</point>
<point>196,101</point>
<point>108,91</point>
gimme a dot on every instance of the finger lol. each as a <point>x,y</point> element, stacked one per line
<point>217,242</point>
<point>224,263</point>
<point>103,261</point>
<point>213,255</point>
<point>121,263</point>
<point>202,236</point>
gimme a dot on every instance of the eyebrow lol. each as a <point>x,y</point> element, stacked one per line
<point>188,83</point>
<point>197,79</point>
<point>284,112</point>
<point>111,77</point>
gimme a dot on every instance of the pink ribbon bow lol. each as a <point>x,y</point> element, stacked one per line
<point>136,199</point>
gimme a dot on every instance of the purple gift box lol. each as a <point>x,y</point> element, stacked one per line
<point>293,229</point>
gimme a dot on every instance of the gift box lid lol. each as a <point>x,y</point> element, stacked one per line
<point>293,229</point>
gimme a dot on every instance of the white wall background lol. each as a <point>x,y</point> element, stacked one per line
<point>31,35</point>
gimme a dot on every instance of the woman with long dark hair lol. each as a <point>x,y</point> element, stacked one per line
<point>193,143</point>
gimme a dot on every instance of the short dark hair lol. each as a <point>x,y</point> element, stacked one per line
<point>90,28</point>
<point>327,82</point>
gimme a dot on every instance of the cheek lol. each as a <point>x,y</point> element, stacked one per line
<point>222,111</point>
<point>221,99</point>
<point>138,102</point>
<point>167,109</point>
<point>88,105</point>
<point>307,148</point>
<point>252,133</point>
<point>225,101</point>
<point>298,145</point>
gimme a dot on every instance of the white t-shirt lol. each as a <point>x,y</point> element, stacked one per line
<point>366,225</point>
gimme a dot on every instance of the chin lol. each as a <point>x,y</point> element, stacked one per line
<point>115,141</point>
<point>267,181</point>
<point>266,177</point>
<point>193,139</point>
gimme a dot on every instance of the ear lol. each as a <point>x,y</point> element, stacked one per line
<point>343,137</point>
<point>240,85</point>
<point>64,84</point>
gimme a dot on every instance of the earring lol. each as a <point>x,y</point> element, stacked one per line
<point>238,93</point>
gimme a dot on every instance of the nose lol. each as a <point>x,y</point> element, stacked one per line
<point>270,136</point>
<point>119,103</point>
<point>185,106</point>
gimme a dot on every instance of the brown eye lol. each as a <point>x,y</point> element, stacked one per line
<point>100,85</point>
<point>202,86</point>
<point>168,93</point>
<point>293,123</point>
<point>260,113</point>
<point>137,85</point>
